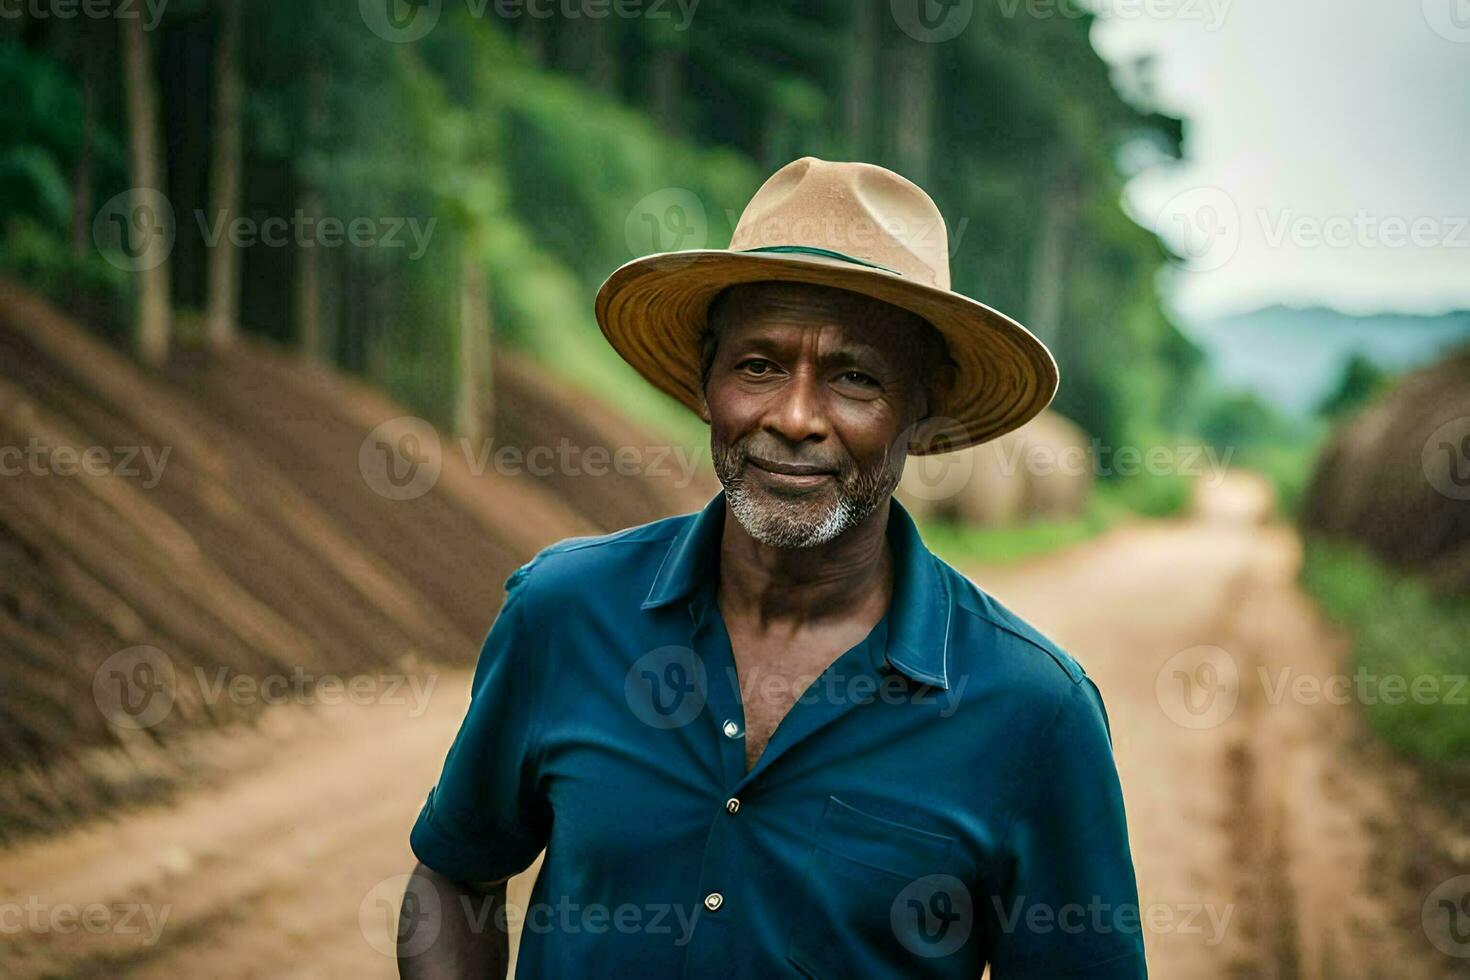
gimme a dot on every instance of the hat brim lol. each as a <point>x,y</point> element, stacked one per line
<point>653,312</point>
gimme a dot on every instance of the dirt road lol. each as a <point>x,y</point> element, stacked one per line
<point>1271,839</point>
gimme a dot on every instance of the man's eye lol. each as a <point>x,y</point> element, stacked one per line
<point>859,378</point>
<point>756,366</point>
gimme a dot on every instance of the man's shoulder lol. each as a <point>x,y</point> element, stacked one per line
<point>989,636</point>
<point>576,563</point>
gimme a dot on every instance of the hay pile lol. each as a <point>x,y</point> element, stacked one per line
<point>1397,476</point>
<point>1043,470</point>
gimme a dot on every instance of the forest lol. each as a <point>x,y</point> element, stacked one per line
<point>401,189</point>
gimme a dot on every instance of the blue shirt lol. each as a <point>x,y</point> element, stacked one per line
<point>942,797</point>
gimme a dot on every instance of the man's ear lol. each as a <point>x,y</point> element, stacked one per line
<point>935,427</point>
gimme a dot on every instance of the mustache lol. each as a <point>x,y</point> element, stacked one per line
<point>767,451</point>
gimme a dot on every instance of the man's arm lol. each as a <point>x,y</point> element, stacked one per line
<point>1070,907</point>
<point>485,820</point>
<point>448,929</point>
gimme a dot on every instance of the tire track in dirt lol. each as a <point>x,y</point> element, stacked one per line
<point>1276,810</point>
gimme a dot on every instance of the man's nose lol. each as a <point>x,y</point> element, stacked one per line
<point>797,414</point>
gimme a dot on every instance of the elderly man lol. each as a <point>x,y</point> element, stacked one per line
<point>779,737</point>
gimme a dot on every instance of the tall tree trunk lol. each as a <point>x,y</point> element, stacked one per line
<point>861,67</point>
<point>81,175</point>
<point>913,82</point>
<point>531,38</point>
<point>154,327</point>
<point>1047,287</point>
<point>307,297</point>
<point>224,191</point>
<point>587,50</point>
<point>474,401</point>
<point>668,63</point>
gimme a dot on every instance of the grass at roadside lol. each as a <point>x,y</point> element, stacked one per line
<point>1410,654</point>
<point>962,545</point>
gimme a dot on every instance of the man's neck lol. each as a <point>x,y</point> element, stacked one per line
<point>850,576</point>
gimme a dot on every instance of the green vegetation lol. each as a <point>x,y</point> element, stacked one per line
<point>1400,629</point>
<point>548,151</point>
<point>1260,438</point>
<point>967,546</point>
<point>1148,495</point>
<point>1361,380</point>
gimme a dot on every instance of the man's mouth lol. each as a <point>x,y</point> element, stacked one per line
<point>791,474</point>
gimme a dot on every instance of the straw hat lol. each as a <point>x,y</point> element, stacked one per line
<point>854,226</point>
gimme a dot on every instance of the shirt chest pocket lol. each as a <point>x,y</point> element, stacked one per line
<point>852,920</point>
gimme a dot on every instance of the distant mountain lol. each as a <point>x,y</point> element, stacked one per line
<point>1292,358</point>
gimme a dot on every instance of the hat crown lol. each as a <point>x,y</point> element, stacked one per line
<point>857,209</point>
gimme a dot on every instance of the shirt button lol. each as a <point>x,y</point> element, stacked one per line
<point>731,729</point>
<point>713,901</point>
<point>732,805</point>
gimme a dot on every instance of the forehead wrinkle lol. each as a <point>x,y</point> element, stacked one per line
<point>826,343</point>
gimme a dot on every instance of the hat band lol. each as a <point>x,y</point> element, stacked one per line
<point>824,252</point>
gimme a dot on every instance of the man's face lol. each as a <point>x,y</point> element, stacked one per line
<point>811,394</point>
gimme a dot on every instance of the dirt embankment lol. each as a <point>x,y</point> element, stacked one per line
<point>248,515</point>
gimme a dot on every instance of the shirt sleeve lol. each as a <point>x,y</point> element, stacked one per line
<point>485,820</point>
<point>1070,904</point>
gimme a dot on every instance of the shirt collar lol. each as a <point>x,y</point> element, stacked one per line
<point>919,617</point>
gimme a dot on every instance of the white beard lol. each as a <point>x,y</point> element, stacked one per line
<point>771,526</point>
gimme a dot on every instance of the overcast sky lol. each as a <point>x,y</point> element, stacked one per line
<point>1327,149</point>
